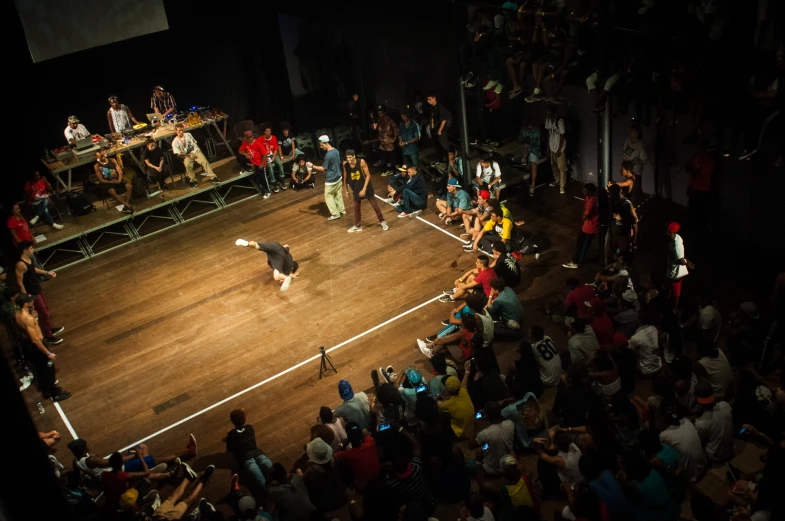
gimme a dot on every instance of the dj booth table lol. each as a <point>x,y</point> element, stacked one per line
<point>163,133</point>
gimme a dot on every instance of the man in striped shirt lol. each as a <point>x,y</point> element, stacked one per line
<point>162,102</point>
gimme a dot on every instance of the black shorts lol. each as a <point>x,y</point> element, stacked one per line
<point>119,188</point>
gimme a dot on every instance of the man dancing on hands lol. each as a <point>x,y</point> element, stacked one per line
<point>285,268</point>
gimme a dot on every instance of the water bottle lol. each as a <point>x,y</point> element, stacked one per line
<point>40,408</point>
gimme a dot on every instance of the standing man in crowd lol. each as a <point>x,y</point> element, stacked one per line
<point>269,145</point>
<point>185,147</point>
<point>557,145</point>
<point>119,116</point>
<point>678,265</point>
<point>356,175</point>
<point>409,139</point>
<point>35,352</point>
<point>440,123</point>
<point>331,167</point>
<point>252,157</point>
<point>590,227</point>
<point>75,130</point>
<point>387,134</point>
<point>155,166</point>
<point>29,284</point>
<point>530,143</point>
<point>162,102</point>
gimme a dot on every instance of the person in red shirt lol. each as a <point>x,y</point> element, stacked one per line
<point>362,459</point>
<point>590,227</point>
<point>38,191</point>
<point>17,225</point>
<point>253,157</point>
<point>700,168</point>
<point>575,303</point>
<point>601,323</point>
<point>481,275</point>
<point>269,144</point>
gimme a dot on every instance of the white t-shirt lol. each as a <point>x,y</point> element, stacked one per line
<point>685,439</point>
<point>487,515</point>
<point>715,428</point>
<point>633,151</point>
<point>487,174</point>
<point>582,345</point>
<point>555,128</point>
<point>645,342</point>
<point>547,360</point>
<point>499,438</point>
<point>80,132</point>
<point>709,319</point>
<point>719,373</point>
<point>186,145</point>
<point>675,269</point>
<point>570,475</point>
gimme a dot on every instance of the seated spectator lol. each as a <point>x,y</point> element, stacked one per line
<point>408,382</point>
<point>626,320</point>
<point>479,277</point>
<point>287,144</point>
<point>253,159</point>
<point>647,490</point>
<point>713,365</point>
<point>574,399</point>
<point>268,144</point>
<point>661,387</point>
<point>714,423</point>
<point>685,381</point>
<point>486,384</point>
<point>505,308</point>
<point>337,425</point>
<point>755,405</point>
<point>558,462</point>
<point>175,507</point>
<point>544,351</point>
<point>458,405</point>
<point>646,343</point>
<point>530,137</point>
<point>39,192</point>
<point>109,175</point>
<point>440,369</point>
<point>241,442</point>
<point>325,487</point>
<point>493,442</point>
<point>355,406</point>
<point>362,459</point>
<point>454,204</point>
<point>505,265</point>
<point>515,493</point>
<point>497,228</point>
<point>155,166</point>
<point>115,480</point>
<point>406,475</point>
<point>290,495</point>
<point>601,323</point>
<point>682,435</point>
<point>626,420</point>
<point>664,459</point>
<point>704,325</point>
<point>489,177</point>
<point>302,174</point>
<point>605,373</point>
<point>455,331</point>
<point>582,342</point>
<point>576,302</point>
<point>607,487</point>
<point>412,197</point>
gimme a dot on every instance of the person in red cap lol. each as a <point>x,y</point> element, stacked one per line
<point>253,159</point>
<point>677,263</point>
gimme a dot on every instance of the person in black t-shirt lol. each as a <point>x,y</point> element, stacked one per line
<point>155,166</point>
<point>356,175</point>
<point>241,442</point>
<point>284,267</point>
<point>505,265</point>
<point>440,123</point>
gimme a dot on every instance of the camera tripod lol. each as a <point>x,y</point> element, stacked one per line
<point>326,365</point>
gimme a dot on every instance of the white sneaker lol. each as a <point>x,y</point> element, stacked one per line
<point>384,225</point>
<point>25,383</point>
<point>531,190</point>
<point>536,255</point>
<point>424,349</point>
<point>415,213</point>
<point>441,215</point>
<point>333,217</point>
<point>57,226</point>
<point>286,282</point>
<point>488,86</point>
<point>354,229</point>
<point>570,265</point>
<point>34,220</point>
<point>267,195</point>
<point>562,191</point>
<point>553,183</point>
<point>499,88</point>
<point>591,81</point>
<point>389,200</point>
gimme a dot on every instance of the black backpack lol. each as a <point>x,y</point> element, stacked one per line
<point>78,204</point>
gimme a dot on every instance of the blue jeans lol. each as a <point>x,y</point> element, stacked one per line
<point>410,202</point>
<point>256,466</point>
<point>411,158</point>
<point>271,171</point>
<point>582,247</point>
<point>42,211</point>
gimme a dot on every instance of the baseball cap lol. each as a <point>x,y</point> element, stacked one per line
<point>674,227</point>
<point>452,384</point>
<point>750,309</point>
<point>128,499</point>
<point>246,503</point>
<point>619,340</point>
<point>485,194</point>
<point>319,452</point>
<point>324,138</point>
<point>413,375</point>
<point>247,134</point>
<point>345,390</point>
<point>73,119</point>
<point>453,182</point>
<point>704,393</point>
<point>158,87</point>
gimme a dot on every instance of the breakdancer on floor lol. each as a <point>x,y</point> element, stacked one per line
<point>284,267</point>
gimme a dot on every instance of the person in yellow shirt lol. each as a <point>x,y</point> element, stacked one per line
<point>498,228</point>
<point>458,404</point>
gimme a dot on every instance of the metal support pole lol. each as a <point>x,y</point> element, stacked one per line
<point>467,178</point>
<point>604,148</point>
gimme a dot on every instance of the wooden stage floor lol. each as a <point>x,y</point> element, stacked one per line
<point>160,331</point>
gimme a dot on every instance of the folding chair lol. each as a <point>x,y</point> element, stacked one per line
<point>306,144</point>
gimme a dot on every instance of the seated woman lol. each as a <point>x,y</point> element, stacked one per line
<point>302,174</point>
<point>38,192</point>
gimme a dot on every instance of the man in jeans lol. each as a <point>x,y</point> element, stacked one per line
<point>253,158</point>
<point>241,441</point>
<point>590,227</point>
<point>413,195</point>
<point>440,122</point>
<point>331,166</point>
<point>269,145</point>
<point>557,144</point>
<point>409,139</point>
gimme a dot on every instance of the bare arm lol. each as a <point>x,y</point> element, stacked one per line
<point>20,272</point>
<point>366,175</point>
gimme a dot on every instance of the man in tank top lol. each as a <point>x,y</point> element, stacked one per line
<point>356,175</point>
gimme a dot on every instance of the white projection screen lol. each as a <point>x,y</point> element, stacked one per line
<point>59,27</point>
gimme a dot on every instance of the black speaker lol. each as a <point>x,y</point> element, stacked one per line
<point>305,144</point>
<point>343,139</point>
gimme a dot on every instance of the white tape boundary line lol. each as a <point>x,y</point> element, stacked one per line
<point>65,420</point>
<point>429,223</point>
<point>270,379</point>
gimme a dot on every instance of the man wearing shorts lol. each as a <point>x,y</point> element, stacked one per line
<point>530,137</point>
<point>280,260</point>
<point>678,264</point>
<point>175,507</point>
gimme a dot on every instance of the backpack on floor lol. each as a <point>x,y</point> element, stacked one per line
<point>139,187</point>
<point>522,244</point>
<point>78,204</point>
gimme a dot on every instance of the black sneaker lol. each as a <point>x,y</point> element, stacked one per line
<point>56,331</point>
<point>54,340</point>
<point>375,378</point>
<point>62,395</point>
<point>175,468</point>
<point>192,183</point>
<point>165,187</point>
<point>276,189</point>
<point>430,339</point>
<point>283,186</point>
<point>205,479</point>
<point>215,180</point>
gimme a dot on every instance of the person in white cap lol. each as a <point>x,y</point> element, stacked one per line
<point>75,130</point>
<point>331,166</point>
